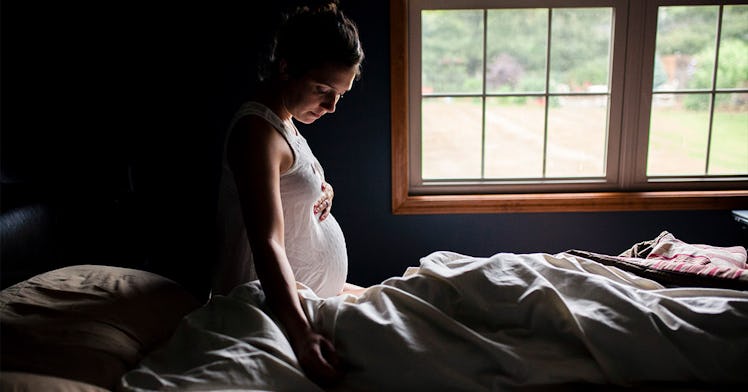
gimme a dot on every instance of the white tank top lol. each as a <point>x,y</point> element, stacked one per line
<point>316,250</point>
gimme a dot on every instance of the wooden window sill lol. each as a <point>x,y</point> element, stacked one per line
<point>569,202</point>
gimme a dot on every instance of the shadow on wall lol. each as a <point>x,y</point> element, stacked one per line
<point>113,116</point>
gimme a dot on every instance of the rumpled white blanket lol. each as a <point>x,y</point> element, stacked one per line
<point>465,323</point>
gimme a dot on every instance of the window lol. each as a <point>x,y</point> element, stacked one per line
<point>568,105</point>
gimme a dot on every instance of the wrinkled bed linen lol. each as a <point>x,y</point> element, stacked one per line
<point>465,323</point>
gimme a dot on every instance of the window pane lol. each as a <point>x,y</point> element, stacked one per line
<point>678,136</point>
<point>451,138</point>
<point>577,129</point>
<point>580,49</point>
<point>452,52</point>
<point>684,55</point>
<point>514,137</point>
<point>732,71</point>
<point>729,147</point>
<point>516,65</point>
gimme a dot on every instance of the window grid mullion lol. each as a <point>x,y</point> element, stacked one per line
<point>713,94</point>
<point>536,94</point>
<point>547,92</point>
<point>483,98</point>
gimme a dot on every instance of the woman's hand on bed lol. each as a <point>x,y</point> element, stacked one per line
<point>318,359</point>
<point>324,204</point>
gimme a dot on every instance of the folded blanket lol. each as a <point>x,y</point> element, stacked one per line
<point>673,254</point>
<point>668,253</point>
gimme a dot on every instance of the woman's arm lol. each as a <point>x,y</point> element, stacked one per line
<point>258,154</point>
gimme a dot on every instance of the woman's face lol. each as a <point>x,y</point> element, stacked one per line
<point>316,93</point>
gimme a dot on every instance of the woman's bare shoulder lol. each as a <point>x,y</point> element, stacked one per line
<point>255,137</point>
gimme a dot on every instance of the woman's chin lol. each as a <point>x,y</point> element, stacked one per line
<point>308,118</point>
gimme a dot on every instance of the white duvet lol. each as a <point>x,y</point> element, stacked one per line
<point>465,323</point>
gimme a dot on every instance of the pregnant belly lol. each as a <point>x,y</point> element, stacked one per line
<point>318,256</point>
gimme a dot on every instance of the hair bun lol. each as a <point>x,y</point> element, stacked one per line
<point>321,6</point>
<point>313,21</point>
<point>328,6</point>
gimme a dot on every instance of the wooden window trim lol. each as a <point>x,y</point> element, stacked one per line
<point>403,202</point>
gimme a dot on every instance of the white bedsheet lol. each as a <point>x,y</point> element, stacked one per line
<point>465,323</point>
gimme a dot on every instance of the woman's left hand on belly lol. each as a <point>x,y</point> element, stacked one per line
<point>324,203</point>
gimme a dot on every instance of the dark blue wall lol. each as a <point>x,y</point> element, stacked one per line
<point>129,102</point>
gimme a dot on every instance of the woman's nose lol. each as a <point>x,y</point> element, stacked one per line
<point>330,102</point>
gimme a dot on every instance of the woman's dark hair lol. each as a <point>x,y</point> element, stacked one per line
<point>311,36</point>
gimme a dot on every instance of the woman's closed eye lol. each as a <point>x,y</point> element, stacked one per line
<point>324,90</point>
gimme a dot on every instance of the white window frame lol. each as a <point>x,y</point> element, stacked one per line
<point>628,121</point>
<point>646,27</point>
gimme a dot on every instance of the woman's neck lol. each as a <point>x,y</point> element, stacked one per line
<point>270,94</point>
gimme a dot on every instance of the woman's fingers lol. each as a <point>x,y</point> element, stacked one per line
<point>324,204</point>
<point>320,361</point>
<point>325,213</point>
<point>327,190</point>
<point>324,208</point>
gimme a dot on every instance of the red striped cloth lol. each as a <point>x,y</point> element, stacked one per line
<point>671,254</point>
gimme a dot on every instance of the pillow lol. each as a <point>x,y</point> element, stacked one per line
<point>89,323</point>
<point>28,382</point>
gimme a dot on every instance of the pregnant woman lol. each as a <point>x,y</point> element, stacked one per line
<point>274,215</point>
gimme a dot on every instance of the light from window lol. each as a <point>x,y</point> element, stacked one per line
<point>699,126</point>
<point>568,105</point>
<point>497,106</point>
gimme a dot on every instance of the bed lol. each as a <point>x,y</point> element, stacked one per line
<point>664,315</point>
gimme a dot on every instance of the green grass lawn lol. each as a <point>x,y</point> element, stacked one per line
<point>677,146</point>
<point>679,139</point>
